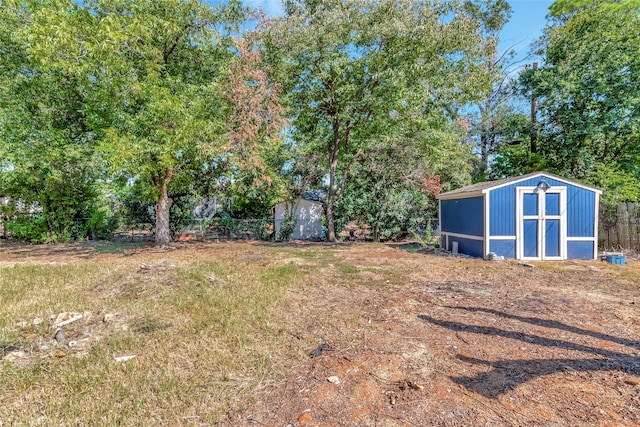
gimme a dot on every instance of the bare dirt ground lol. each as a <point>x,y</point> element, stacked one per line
<point>413,339</point>
<point>464,342</point>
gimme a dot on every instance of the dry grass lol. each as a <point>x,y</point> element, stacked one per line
<point>222,332</point>
<point>204,333</point>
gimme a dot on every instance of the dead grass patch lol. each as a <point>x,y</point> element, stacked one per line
<point>221,334</point>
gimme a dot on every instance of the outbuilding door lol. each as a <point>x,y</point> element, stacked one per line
<point>541,229</point>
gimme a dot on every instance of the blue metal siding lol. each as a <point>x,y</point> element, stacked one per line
<point>580,250</point>
<point>505,248</point>
<point>463,216</point>
<point>502,212</point>
<point>580,212</point>
<point>502,203</point>
<point>552,204</point>
<point>580,208</point>
<point>468,246</point>
<point>552,233</point>
<point>532,182</point>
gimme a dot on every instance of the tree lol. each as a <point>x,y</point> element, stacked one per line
<point>254,192</point>
<point>496,125</point>
<point>166,88</point>
<point>48,169</point>
<point>355,68</point>
<point>564,8</point>
<point>389,189</point>
<point>588,88</point>
<point>496,121</point>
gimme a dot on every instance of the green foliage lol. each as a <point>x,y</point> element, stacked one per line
<point>50,190</point>
<point>355,70</point>
<point>386,190</point>
<point>496,121</point>
<point>428,239</point>
<point>30,229</point>
<point>492,14</point>
<point>50,185</point>
<point>285,231</point>
<point>181,212</point>
<point>41,227</point>
<point>100,226</point>
<point>133,204</point>
<point>286,227</point>
<point>515,160</point>
<point>49,168</point>
<point>228,223</point>
<point>588,90</point>
<point>156,103</point>
<point>158,87</point>
<point>255,192</point>
<point>399,213</point>
<point>561,8</point>
<point>617,185</point>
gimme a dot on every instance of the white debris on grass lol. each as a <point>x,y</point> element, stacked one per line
<point>64,319</point>
<point>334,380</point>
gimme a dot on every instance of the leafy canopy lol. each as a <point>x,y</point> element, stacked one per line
<point>164,88</point>
<point>48,166</point>
<point>356,70</point>
<point>589,89</point>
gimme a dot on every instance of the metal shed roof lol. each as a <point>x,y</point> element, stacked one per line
<point>483,187</point>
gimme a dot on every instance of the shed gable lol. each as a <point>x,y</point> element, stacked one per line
<point>580,206</point>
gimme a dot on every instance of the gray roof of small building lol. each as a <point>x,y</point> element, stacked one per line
<point>315,195</point>
<point>480,186</point>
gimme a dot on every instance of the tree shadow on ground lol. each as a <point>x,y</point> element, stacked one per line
<point>553,324</point>
<point>506,375</point>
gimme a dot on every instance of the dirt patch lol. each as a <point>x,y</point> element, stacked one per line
<point>463,342</point>
<point>412,339</point>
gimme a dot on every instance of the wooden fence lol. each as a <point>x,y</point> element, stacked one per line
<point>619,227</point>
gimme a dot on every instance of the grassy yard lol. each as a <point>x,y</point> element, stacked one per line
<point>204,327</point>
<point>221,334</point>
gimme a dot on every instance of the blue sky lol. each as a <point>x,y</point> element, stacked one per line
<point>270,7</point>
<point>526,24</point>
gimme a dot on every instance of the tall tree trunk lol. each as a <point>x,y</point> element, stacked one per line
<point>333,148</point>
<point>331,199</point>
<point>163,205</point>
<point>534,113</point>
<point>484,151</point>
<point>486,127</point>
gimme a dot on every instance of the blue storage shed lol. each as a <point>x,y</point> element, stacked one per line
<point>539,216</point>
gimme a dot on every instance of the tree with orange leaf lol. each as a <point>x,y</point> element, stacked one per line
<point>167,88</point>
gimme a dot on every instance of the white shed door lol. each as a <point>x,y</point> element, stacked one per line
<point>541,223</point>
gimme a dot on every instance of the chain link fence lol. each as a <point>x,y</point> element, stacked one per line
<point>119,229</point>
<point>227,229</point>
